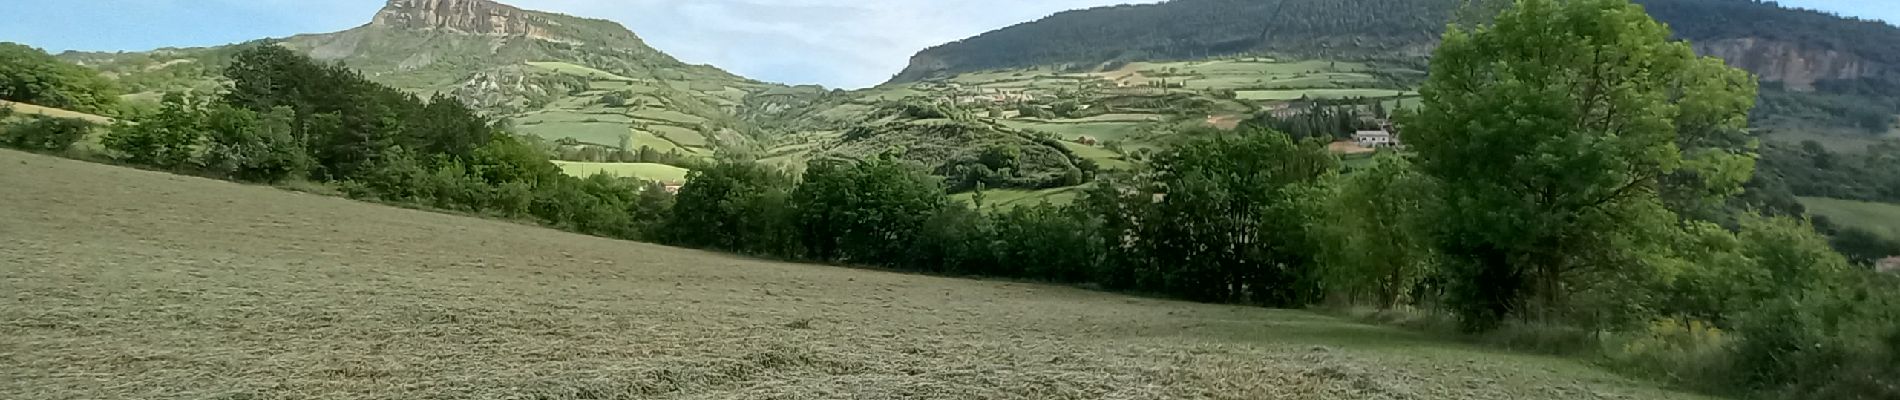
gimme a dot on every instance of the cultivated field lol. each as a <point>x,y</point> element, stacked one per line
<point>124,284</point>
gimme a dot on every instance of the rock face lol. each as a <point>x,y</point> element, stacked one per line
<point>481,17</point>
<point>1791,64</point>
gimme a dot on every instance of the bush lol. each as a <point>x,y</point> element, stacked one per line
<point>250,147</point>
<point>1836,342</point>
<point>44,133</point>
<point>1544,338</point>
<point>166,140</point>
<point>1679,351</point>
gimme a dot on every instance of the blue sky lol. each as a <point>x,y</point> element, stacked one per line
<point>838,43</point>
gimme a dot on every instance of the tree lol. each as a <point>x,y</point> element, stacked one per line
<point>1380,244</point>
<point>736,206</point>
<point>28,75</point>
<point>253,147</point>
<point>1551,131</point>
<point>867,211</point>
<point>1230,220</point>
<point>168,139</point>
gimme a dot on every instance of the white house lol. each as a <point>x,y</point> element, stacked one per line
<point>1375,139</point>
<point>1891,265</point>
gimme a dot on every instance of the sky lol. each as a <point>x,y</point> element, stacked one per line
<point>836,43</point>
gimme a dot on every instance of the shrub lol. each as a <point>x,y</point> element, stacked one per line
<point>1679,351</point>
<point>250,147</point>
<point>44,133</point>
<point>1545,338</point>
<point>167,140</point>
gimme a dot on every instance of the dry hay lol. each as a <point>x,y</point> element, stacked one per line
<point>117,283</point>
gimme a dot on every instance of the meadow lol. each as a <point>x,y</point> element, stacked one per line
<point>644,171</point>
<point>204,289</point>
<point>1880,218</point>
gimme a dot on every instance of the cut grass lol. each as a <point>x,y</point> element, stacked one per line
<point>125,284</point>
<point>1879,218</point>
<point>651,172</point>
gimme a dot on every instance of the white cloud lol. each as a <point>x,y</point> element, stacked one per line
<point>837,43</point>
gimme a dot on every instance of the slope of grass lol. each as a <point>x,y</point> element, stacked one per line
<point>29,109</point>
<point>1005,199</point>
<point>578,70</point>
<point>646,171</point>
<point>1880,218</point>
<point>177,287</point>
<point>599,133</point>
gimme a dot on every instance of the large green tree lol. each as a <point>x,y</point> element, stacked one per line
<point>1379,245</point>
<point>1229,218</point>
<point>865,211</point>
<point>1552,130</point>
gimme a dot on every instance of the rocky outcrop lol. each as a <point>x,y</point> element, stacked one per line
<point>481,17</point>
<point>1791,64</point>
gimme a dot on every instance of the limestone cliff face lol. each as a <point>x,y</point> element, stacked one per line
<point>481,17</point>
<point>1791,64</point>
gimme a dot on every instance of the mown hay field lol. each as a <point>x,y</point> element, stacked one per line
<point>126,284</point>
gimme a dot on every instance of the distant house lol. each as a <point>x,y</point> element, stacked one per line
<point>1891,265</point>
<point>1085,140</point>
<point>1375,139</point>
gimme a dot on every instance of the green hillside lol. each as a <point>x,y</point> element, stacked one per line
<point>556,76</point>
<point>1825,77</point>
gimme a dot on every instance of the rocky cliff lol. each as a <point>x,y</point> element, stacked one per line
<point>1791,64</point>
<point>464,16</point>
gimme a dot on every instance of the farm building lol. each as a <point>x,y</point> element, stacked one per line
<point>1376,139</point>
<point>1891,265</point>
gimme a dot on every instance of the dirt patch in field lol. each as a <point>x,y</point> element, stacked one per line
<point>117,283</point>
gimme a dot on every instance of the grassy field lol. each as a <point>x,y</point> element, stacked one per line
<point>1004,199</point>
<point>579,70</point>
<point>29,109</point>
<point>1101,131</point>
<point>600,133</point>
<point>651,172</point>
<point>124,284</point>
<point>1879,218</point>
<point>1296,94</point>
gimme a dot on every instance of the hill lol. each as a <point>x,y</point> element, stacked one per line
<point>232,291</point>
<point>1799,47</point>
<point>1826,77</point>
<point>583,81</point>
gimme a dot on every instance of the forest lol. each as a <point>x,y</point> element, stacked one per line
<point>1605,213</point>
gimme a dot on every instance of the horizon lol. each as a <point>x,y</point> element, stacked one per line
<point>834,43</point>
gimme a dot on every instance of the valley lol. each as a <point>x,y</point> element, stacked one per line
<point>464,199</point>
